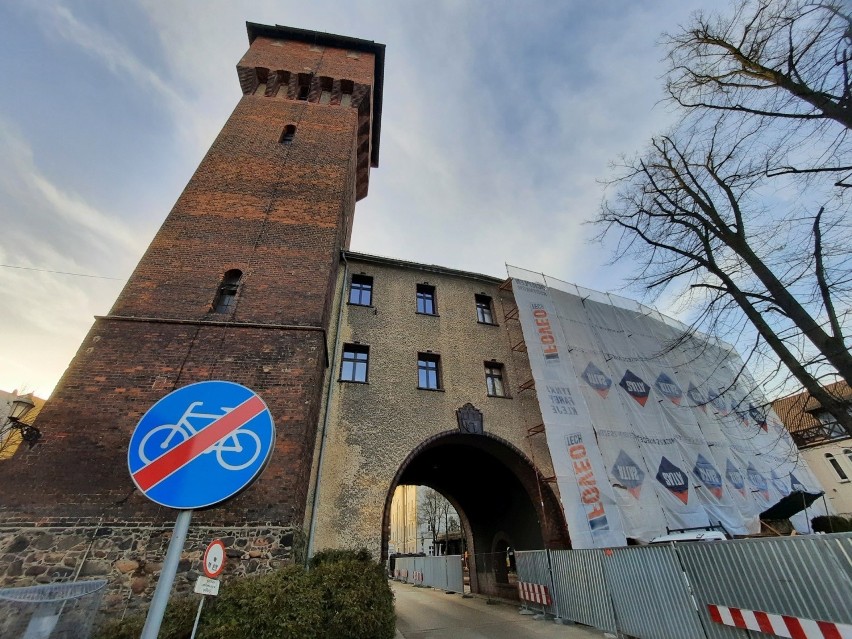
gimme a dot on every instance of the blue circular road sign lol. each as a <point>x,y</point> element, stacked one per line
<point>201,445</point>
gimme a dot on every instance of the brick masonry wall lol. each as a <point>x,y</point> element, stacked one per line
<point>375,426</point>
<point>129,555</point>
<point>275,211</point>
<point>278,212</point>
<point>80,468</point>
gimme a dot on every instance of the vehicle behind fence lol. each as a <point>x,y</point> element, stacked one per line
<point>789,586</point>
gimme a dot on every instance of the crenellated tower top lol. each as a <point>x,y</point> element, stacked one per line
<point>323,69</point>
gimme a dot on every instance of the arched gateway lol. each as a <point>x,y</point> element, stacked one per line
<point>429,384</point>
<point>501,498</point>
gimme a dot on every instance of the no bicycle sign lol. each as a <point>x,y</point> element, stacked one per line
<point>201,445</point>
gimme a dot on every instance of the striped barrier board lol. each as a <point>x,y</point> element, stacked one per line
<point>779,625</point>
<point>534,592</point>
<point>417,576</point>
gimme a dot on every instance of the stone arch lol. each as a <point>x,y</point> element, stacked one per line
<point>496,490</point>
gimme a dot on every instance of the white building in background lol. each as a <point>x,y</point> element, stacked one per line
<point>404,530</point>
<point>409,533</point>
<point>824,445</point>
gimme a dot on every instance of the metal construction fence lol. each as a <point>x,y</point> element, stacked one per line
<point>438,572</point>
<point>702,590</point>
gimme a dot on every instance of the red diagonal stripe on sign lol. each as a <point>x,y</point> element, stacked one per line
<point>179,456</point>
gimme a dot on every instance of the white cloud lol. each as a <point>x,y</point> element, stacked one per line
<point>499,118</point>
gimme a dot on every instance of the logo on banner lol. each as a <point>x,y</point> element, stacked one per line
<point>674,479</point>
<point>735,477</point>
<point>668,387</point>
<point>757,481</point>
<point>597,379</point>
<point>795,484</point>
<point>758,415</point>
<point>696,397</point>
<point>635,387</point>
<point>780,486</point>
<point>590,494</point>
<point>706,473</point>
<point>737,407</point>
<point>628,473</point>
<point>718,402</point>
<point>545,335</point>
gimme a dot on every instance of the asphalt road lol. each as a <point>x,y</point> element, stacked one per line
<point>423,613</point>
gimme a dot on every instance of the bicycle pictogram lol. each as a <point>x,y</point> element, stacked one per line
<point>231,453</point>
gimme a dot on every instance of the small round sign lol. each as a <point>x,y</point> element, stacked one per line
<point>200,445</point>
<point>214,559</point>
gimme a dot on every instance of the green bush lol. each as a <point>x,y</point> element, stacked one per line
<point>331,556</point>
<point>177,622</point>
<point>358,603</point>
<point>831,523</point>
<point>345,596</point>
<point>284,604</point>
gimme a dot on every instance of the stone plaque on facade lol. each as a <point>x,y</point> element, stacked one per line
<point>470,419</point>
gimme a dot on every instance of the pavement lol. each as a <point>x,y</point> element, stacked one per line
<point>424,613</point>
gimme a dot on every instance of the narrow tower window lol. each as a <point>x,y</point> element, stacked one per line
<point>227,291</point>
<point>288,134</point>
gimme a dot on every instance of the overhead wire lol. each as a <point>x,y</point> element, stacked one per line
<point>45,270</point>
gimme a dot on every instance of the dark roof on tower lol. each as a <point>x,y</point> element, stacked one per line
<point>280,32</point>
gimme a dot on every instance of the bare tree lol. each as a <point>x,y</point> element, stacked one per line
<point>686,214</point>
<point>743,206</point>
<point>436,513</point>
<point>782,64</point>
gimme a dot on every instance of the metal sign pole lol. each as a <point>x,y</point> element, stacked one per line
<point>197,617</point>
<point>167,577</point>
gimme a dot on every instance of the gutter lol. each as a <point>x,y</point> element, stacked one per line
<point>327,413</point>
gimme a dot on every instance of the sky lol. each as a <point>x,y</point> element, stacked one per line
<point>499,126</point>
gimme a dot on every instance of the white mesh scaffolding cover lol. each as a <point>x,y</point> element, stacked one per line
<point>649,426</point>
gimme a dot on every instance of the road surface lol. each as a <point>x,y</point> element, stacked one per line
<point>423,613</point>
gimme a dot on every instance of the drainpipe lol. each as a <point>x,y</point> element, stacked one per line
<point>329,395</point>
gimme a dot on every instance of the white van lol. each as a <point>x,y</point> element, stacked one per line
<point>690,535</point>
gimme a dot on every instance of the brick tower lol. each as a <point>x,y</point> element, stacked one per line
<point>236,285</point>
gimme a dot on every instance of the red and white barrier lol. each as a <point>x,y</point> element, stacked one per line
<point>779,625</point>
<point>534,592</point>
<point>417,576</point>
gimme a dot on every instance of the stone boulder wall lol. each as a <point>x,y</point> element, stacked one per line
<point>130,554</point>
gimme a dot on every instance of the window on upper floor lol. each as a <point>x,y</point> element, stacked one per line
<point>356,359</point>
<point>227,292</point>
<point>838,469</point>
<point>484,309</point>
<point>428,371</point>
<point>361,290</point>
<point>494,381</point>
<point>426,299</point>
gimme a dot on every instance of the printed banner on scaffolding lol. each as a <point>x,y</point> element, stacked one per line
<point>649,427</point>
